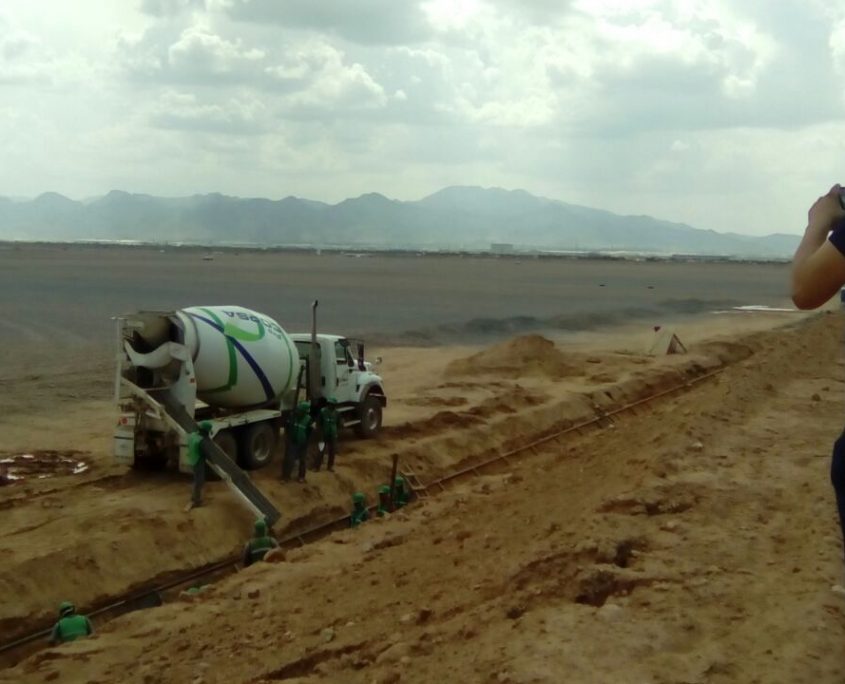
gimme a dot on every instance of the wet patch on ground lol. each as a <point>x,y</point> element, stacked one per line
<point>43,464</point>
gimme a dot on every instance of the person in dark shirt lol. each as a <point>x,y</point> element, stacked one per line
<point>818,273</point>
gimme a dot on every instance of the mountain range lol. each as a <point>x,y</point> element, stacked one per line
<point>454,218</point>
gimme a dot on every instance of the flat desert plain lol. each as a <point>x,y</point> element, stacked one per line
<point>689,539</point>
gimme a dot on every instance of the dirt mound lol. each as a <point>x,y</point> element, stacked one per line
<point>522,356</point>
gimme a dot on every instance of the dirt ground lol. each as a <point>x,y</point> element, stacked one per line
<point>692,540</point>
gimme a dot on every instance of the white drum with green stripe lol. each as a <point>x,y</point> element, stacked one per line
<point>241,358</point>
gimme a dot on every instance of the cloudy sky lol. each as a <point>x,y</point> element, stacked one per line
<point>724,115</point>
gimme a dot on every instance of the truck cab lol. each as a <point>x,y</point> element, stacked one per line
<point>347,377</point>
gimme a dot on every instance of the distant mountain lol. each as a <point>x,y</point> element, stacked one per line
<point>453,218</point>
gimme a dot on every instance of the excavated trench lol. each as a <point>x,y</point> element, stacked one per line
<point>621,398</point>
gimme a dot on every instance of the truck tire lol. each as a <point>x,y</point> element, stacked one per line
<point>258,445</point>
<point>369,413</point>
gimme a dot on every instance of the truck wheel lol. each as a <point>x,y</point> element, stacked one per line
<point>258,445</point>
<point>370,415</point>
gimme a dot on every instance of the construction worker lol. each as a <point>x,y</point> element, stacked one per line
<point>196,458</point>
<point>300,433</point>
<point>401,495</point>
<point>328,433</point>
<point>384,504</point>
<point>359,510</point>
<point>257,547</point>
<point>70,625</point>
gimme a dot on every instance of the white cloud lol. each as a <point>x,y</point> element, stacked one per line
<point>379,22</point>
<point>194,54</point>
<point>164,8</point>
<point>23,57</point>
<point>322,78</point>
<point>691,109</point>
<point>451,14</point>
<point>199,52</point>
<point>837,50</point>
<point>185,111</point>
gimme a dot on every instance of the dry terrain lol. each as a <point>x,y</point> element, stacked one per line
<point>691,540</point>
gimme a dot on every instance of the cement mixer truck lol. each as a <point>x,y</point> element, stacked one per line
<point>238,369</point>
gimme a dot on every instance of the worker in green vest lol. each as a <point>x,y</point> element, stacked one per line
<point>257,547</point>
<point>196,458</point>
<point>359,510</point>
<point>401,495</point>
<point>384,503</point>
<point>70,625</point>
<point>297,445</point>
<point>328,433</point>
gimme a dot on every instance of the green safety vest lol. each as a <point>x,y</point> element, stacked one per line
<point>194,448</point>
<point>258,548</point>
<point>301,428</point>
<point>358,516</point>
<point>328,422</point>
<point>72,627</point>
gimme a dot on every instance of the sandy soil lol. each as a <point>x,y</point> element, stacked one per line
<point>692,541</point>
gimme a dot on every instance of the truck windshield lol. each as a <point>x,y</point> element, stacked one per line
<point>342,353</point>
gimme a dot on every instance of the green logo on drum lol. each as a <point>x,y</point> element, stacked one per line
<point>236,339</point>
<point>232,331</point>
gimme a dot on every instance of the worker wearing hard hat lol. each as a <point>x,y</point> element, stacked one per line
<point>328,433</point>
<point>299,428</point>
<point>70,625</point>
<point>359,510</point>
<point>257,547</point>
<point>385,505</point>
<point>401,495</point>
<point>196,458</point>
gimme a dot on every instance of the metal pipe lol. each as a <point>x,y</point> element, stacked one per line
<point>315,373</point>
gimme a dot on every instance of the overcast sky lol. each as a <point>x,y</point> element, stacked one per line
<point>724,115</point>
